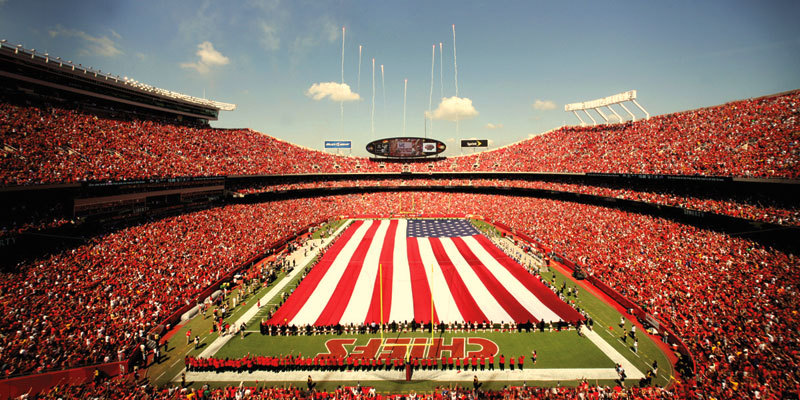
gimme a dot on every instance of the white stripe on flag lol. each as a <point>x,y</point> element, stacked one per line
<point>357,308</point>
<point>446,308</point>
<point>515,287</point>
<point>317,301</point>
<point>402,308</point>
<point>487,303</point>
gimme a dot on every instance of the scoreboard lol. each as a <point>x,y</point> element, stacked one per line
<point>406,147</point>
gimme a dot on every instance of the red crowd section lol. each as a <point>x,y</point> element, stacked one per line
<point>96,303</point>
<point>749,138</point>
<point>124,389</point>
<point>733,301</point>
<point>753,206</point>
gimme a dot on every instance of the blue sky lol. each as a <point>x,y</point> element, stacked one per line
<point>264,56</point>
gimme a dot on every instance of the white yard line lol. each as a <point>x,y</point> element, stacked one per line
<point>534,374</point>
<point>630,370</point>
<point>249,314</point>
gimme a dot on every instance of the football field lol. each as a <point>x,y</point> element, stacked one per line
<point>563,356</point>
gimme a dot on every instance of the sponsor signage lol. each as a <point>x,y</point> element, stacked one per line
<point>475,143</point>
<point>406,147</point>
<point>338,144</point>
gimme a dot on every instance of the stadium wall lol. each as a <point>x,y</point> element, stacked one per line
<point>33,384</point>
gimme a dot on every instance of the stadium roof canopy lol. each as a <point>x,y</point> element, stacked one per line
<point>41,69</point>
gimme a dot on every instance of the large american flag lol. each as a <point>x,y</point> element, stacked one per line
<point>473,280</point>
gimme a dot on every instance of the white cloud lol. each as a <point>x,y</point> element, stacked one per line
<point>543,105</point>
<point>494,126</point>
<point>334,90</point>
<point>208,57</point>
<point>115,34</point>
<point>269,37</point>
<point>95,45</point>
<point>330,30</point>
<point>453,109</point>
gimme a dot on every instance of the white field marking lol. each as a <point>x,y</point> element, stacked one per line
<point>249,314</point>
<point>180,357</point>
<point>528,374</point>
<point>630,370</point>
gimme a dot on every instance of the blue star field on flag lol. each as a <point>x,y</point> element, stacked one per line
<point>440,228</point>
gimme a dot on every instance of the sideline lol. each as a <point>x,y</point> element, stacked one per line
<point>265,300</point>
<point>612,353</point>
<point>531,374</point>
<point>249,314</point>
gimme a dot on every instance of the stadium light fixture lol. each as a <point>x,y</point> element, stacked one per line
<point>606,102</point>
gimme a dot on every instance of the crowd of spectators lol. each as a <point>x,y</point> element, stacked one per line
<point>750,138</point>
<point>119,389</point>
<point>733,302</point>
<point>285,363</point>
<point>94,303</point>
<point>745,205</point>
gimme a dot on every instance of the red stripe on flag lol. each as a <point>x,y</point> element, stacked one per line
<point>300,295</point>
<point>419,284</point>
<point>466,304</point>
<point>386,263</point>
<point>498,291</point>
<point>535,286</point>
<point>334,310</point>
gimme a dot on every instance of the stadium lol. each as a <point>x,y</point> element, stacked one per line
<point>147,253</point>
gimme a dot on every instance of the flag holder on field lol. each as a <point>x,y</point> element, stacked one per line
<point>408,346</point>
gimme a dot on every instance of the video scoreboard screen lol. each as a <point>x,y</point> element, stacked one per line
<point>406,147</point>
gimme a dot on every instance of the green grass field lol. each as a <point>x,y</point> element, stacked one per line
<point>555,349</point>
<point>548,345</point>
